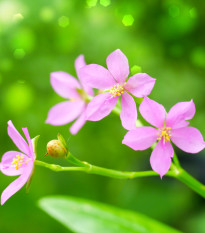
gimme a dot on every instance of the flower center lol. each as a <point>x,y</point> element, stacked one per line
<point>165,134</point>
<point>117,90</point>
<point>18,161</point>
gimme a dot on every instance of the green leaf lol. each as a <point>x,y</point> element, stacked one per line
<point>62,140</point>
<point>84,216</point>
<point>35,143</point>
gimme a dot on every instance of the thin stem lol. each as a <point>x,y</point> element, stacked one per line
<point>176,160</point>
<point>57,168</point>
<point>91,169</point>
<point>186,178</point>
<point>175,172</point>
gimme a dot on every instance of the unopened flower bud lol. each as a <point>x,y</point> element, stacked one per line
<point>56,149</point>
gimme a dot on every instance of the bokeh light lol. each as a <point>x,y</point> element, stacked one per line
<point>63,21</point>
<point>47,14</point>
<point>136,69</point>
<point>19,53</point>
<point>18,98</point>
<point>128,20</point>
<point>91,3</point>
<point>105,3</point>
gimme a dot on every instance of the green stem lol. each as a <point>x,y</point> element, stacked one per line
<point>57,168</point>
<point>91,169</point>
<point>186,178</point>
<point>176,160</point>
<point>175,172</point>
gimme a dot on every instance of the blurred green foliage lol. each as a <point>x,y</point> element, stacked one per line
<point>97,217</point>
<point>166,38</point>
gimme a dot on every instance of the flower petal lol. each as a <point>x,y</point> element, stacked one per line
<point>152,112</point>
<point>17,184</point>
<point>65,112</point>
<point>100,106</point>
<point>79,63</point>
<point>65,85</point>
<point>179,113</point>
<point>78,123</point>
<point>17,138</point>
<point>141,138</point>
<point>118,66</point>
<point>140,85</point>
<point>188,139</point>
<point>6,163</point>
<point>97,76</point>
<point>160,159</point>
<point>128,113</point>
<point>26,133</point>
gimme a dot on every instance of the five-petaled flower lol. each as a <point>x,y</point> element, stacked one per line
<point>68,87</point>
<point>169,127</point>
<point>114,84</point>
<point>14,163</point>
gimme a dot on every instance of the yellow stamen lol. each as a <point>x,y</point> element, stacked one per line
<point>117,90</point>
<point>165,134</point>
<point>18,161</point>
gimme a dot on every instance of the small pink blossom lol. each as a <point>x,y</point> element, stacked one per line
<point>75,91</point>
<point>14,163</point>
<point>113,82</point>
<point>168,127</point>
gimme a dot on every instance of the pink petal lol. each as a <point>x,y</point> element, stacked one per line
<point>79,63</point>
<point>128,113</point>
<point>65,85</point>
<point>17,138</point>
<point>78,123</point>
<point>152,112</point>
<point>100,106</point>
<point>17,184</point>
<point>188,139</point>
<point>6,164</point>
<point>26,133</point>
<point>140,85</point>
<point>118,66</point>
<point>65,112</point>
<point>160,159</point>
<point>179,113</point>
<point>97,76</point>
<point>141,138</point>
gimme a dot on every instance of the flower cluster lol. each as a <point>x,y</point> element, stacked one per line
<point>114,86</point>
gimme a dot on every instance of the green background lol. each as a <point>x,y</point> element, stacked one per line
<point>166,38</point>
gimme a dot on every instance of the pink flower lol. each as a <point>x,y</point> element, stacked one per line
<point>14,163</point>
<point>113,82</point>
<point>68,87</point>
<point>169,127</point>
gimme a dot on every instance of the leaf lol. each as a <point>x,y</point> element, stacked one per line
<point>84,216</point>
<point>35,143</point>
